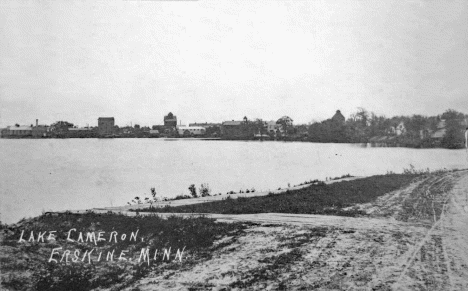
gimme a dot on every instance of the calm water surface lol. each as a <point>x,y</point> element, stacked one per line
<point>59,174</point>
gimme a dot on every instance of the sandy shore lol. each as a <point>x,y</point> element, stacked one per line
<point>413,238</point>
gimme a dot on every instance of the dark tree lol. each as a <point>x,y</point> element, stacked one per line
<point>286,123</point>
<point>193,191</point>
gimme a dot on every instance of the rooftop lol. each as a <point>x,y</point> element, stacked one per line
<point>232,122</point>
<point>190,127</point>
<point>20,128</point>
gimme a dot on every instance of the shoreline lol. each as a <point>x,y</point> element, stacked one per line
<point>392,247</point>
<point>366,143</point>
<point>126,209</point>
<point>190,201</point>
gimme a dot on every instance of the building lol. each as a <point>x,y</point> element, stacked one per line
<point>212,129</point>
<point>400,128</point>
<point>273,127</point>
<point>338,117</point>
<point>39,131</point>
<point>231,129</point>
<point>191,130</point>
<point>106,125</point>
<point>397,129</point>
<point>170,120</point>
<point>440,131</point>
<point>127,130</point>
<point>18,131</point>
<point>206,124</point>
<point>5,132</point>
<point>154,132</point>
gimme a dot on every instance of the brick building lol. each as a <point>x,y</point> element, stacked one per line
<point>106,125</point>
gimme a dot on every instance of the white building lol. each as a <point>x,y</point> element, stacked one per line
<point>273,127</point>
<point>19,131</point>
<point>399,129</point>
<point>191,130</point>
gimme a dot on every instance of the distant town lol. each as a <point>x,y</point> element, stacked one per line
<point>445,130</point>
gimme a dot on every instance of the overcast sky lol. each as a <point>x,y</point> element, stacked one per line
<point>222,60</point>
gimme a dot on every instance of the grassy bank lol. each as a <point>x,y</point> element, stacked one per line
<point>25,264</point>
<point>315,199</point>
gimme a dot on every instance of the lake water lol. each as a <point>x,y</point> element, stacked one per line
<point>59,174</point>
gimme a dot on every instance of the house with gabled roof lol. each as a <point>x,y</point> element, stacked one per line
<point>273,127</point>
<point>440,131</point>
<point>17,131</point>
<point>338,117</point>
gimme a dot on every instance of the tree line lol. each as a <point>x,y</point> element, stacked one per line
<point>445,130</point>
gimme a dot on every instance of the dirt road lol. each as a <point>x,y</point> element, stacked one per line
<point>440,259</point>
<point>415,239</point>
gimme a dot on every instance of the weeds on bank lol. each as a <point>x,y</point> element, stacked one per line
<point>315,199</point>
<point>413,171</point>
<point>203,191</point>
<point>320,182</point>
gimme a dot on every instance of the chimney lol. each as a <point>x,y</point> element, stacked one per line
<point>37,122</point>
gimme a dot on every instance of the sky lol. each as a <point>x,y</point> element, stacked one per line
<point>210,61</point>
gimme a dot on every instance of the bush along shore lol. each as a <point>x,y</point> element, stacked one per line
<point>205,191</point>
<point>86,251</point>
<point>318,198</point>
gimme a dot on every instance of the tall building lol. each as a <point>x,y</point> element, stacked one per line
<point>106,125</point>
<point>170,120</point>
